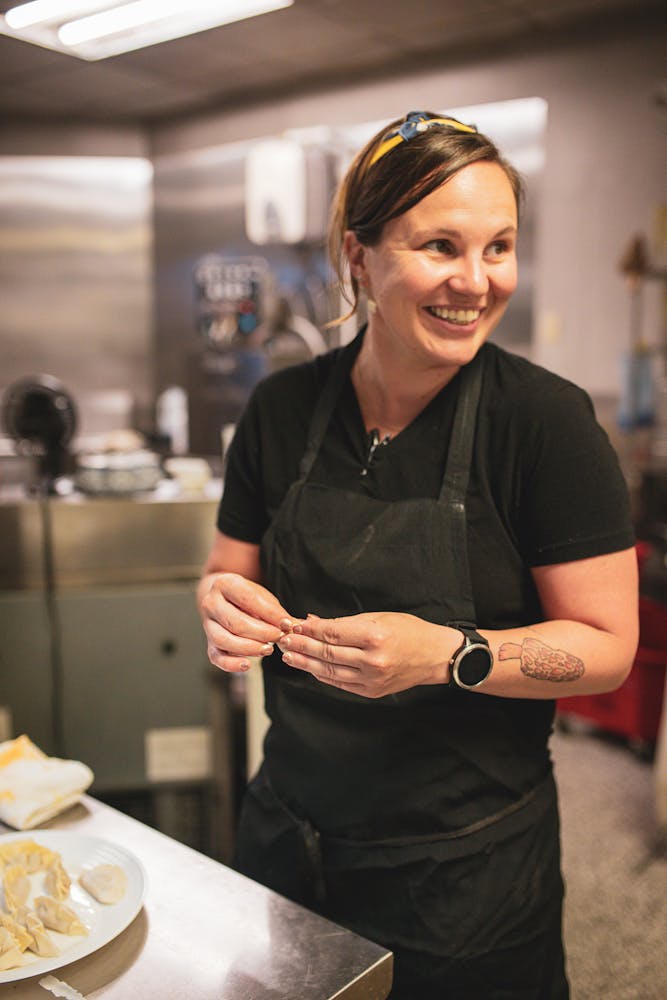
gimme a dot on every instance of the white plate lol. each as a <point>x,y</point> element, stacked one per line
<point>104,921</point>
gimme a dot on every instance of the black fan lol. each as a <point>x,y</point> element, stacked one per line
<point>40,415</point>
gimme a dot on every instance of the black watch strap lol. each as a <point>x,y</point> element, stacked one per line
<point>470,630</point>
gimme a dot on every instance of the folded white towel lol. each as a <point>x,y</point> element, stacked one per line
<point>34,787</point>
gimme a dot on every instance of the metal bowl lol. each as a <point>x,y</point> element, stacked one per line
<point>118,473</point>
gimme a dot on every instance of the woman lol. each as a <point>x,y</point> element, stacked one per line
<point>428,541</point>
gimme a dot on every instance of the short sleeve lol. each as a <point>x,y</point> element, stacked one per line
<point>574,502</point>
<point>242,513</point>
<point>263,458</point>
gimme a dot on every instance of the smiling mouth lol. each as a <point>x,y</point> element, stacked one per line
<point>461,316</point>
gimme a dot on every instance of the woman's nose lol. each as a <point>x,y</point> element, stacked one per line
<point>470,276</point>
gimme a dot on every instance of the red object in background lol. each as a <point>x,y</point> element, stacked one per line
<point>634,709</point>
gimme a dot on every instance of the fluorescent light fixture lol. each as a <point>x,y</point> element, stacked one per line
<point>123,18</point>
<point>97,29</point>
<point>47,11</point>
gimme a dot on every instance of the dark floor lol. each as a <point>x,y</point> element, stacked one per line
<point>615,867</point>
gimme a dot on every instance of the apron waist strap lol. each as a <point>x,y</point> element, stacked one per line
<point>338,852</point>
<point>536,806</point>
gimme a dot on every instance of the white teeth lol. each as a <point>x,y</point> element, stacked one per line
<point>455,315</point>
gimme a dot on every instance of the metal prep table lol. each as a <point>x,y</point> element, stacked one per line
<point>207,933</point>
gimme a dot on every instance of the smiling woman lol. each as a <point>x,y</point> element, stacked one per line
<point>425,537</point>
<point>439,280</point>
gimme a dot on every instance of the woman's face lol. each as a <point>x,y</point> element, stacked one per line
<point>443,272</point>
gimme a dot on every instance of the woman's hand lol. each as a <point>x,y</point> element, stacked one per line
<point>371,654</point>
<point>241,620</point>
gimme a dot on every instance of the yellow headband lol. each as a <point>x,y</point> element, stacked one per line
<point>416,122</point>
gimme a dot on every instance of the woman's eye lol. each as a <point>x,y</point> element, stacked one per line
<point>440,246</point>
<point>499,247</point>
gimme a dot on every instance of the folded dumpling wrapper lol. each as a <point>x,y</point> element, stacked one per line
<point>34,787</point>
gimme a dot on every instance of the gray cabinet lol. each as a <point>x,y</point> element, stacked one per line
<point>25,673</point>
<point>132,661</point>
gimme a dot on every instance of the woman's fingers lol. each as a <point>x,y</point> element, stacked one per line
<point>245,608</point>
<point>227,618</point>
<point>241,620</point>
<point>335,674</point>
<point>230,664</point>
<point>298,648</point>
<point>357,631</point>
<point>255,600</point>
<point>235,642</point>
<point>328,673</point>
<point>357,641</point>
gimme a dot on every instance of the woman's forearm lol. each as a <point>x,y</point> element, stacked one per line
<point>555,659</point>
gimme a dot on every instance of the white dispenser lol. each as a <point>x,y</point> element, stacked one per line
<point>172,418</point>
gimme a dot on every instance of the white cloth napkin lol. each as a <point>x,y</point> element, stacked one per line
<point>34,787</point>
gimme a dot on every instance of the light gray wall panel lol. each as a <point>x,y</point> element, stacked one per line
<point>76,272</point>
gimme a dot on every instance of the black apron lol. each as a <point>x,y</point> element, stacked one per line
<point>417,819</point>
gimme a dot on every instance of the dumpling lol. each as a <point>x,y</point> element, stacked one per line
<point>15,852</point>
<point>10,955</point>
<point>17,887</point>
<point>18,932</point>
<point>56,881</point>
<point>42,943</point>
<point>28,853</point>
<point>105,883</point>
<point>58,917</point>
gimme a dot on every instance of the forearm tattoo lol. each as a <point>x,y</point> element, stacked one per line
<point>542,662</point>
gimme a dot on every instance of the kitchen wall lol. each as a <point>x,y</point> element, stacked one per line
<point>604,176</point>
<point>76,267</point>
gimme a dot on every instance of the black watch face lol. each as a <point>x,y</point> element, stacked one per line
<point>474,666</point>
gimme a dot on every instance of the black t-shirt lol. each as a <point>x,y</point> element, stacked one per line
<point>545,486</point>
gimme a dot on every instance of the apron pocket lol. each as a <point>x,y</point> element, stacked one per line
<point>495,899</point>
<point>277,848</point>
<point>424,906</point>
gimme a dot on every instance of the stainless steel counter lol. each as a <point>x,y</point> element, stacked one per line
<point>207,933</point>
<point>104,541</point>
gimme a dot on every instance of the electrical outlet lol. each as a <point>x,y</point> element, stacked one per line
<point>181,753</point>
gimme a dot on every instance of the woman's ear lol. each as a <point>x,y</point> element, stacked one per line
<point>355,253</point>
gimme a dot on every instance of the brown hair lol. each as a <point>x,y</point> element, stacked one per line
<point>372,193</point>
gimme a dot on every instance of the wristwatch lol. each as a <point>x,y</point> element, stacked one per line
<point>472,662</point>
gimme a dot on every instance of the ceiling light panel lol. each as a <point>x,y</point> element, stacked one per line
<point>98,29</point>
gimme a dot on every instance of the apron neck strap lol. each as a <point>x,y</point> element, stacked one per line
<point>459,455</point>
<point>327,403</point>
<point>457,474</point>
